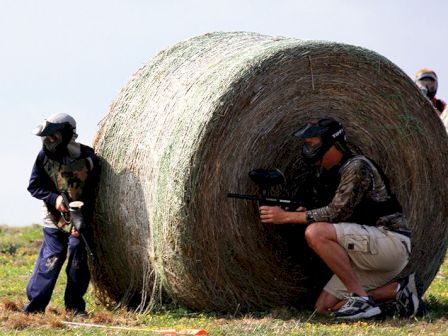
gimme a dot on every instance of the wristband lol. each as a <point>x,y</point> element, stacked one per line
<point>309,217</point>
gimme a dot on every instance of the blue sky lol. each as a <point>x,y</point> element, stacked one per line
<point>75,56</point>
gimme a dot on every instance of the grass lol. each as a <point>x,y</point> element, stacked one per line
<point>18,252</point>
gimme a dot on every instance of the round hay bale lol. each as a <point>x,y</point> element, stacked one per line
<point>192,123</point>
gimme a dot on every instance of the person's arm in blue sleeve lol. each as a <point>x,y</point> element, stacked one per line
<point>40,185</point>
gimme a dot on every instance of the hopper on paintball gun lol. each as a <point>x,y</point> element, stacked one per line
<point>75,218</point>
<point>266,179</point>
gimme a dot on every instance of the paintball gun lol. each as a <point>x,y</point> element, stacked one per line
<point>76,219</point>
<point>266,179</point>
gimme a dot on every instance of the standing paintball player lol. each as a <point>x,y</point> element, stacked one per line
<point>63,167</point>
<point>358,229</point>
<point>426,80</point>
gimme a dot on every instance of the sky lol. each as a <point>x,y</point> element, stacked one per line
<point>75,56</point>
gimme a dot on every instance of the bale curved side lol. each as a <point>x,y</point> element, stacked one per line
<point>444,118</point>
<point>191,124</point>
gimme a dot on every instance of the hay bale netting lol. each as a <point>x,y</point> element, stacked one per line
<point>193,121</point>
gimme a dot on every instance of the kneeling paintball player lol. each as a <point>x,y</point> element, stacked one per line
<point>64,171</point>
<point>361,234</point>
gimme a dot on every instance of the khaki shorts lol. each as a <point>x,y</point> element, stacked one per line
<point>377,255</point>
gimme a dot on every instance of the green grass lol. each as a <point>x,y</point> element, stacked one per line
<point>18,252</point>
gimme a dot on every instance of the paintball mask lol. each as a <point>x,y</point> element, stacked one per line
<point>329,130</point>
<point>56,132</point>
<point>427,82</point>
<point>53,142</point>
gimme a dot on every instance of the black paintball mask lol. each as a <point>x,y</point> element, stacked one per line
<point>428,87</point>
<point>426,80</point>
<point>330,132</point>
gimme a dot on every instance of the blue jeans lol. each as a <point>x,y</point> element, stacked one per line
<point>48,266</point>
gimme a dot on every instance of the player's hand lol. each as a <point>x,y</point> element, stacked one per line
<point>60,206</point>
<point>74,232</point>
<point>273,215</point>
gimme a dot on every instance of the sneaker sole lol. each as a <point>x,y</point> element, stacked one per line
<point>370,313</point>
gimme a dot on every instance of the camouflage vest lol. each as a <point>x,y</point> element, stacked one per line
<point>69,178</point>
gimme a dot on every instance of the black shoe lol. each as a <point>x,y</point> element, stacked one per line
<point>28,310</point>
<point>34,311</point>
<point>407,297</point>
<point>357,307</point>
<point>389,308</point>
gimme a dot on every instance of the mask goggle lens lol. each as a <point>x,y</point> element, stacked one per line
<point>428,86</point>
<point>51,142</point>
<point>310,149</point>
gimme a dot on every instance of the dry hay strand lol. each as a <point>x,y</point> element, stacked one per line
<point>103,317</point>
<point>18,321</point>
<point>21,321</point>
<point>444,117</point>
<point>194,120</point>
<point>10,305</point>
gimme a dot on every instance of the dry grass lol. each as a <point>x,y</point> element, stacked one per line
<point>12,306</point>
<point>280,321</point>
<point>17,320</point>
<point>103,317</point>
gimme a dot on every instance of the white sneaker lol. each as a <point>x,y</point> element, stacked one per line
<point>408,297</point>
<point>357,307</point>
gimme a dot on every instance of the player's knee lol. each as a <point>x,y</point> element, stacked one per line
<point>318,233</point>
<point>315,233</point>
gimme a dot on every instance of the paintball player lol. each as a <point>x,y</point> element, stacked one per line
<point>63,166</point>
<point>426,80</point>
<point>357,229</point>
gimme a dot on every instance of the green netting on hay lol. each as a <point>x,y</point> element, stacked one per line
<point>192,122</point>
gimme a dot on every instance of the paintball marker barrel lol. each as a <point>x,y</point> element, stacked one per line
<point>267,200</point>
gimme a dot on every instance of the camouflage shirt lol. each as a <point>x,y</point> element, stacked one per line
<point>362,196</point>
